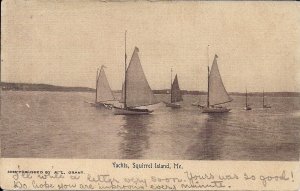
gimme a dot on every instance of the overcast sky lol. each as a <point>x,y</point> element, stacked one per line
<point>63,42</point>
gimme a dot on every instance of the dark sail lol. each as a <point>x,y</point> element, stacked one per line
<point>175,91</point>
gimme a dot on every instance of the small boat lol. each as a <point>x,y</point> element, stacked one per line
<point>266,106</point>
<point>175,94</point>
<point>216,93</point>
<point>136,91</point>
<point>247,107</point>
<point>104,93</point>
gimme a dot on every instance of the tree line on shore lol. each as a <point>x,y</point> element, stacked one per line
<point>46,87</point>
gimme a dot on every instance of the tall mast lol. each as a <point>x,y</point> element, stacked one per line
<point>246,98</point>
<point>171,85</point>
<point>97,75</point>
<point>125,73</point>
<point>0,90</point>
<point>208,76</point>
<point>263,98</point>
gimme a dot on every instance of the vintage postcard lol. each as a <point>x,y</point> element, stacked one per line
<point>150,95</point>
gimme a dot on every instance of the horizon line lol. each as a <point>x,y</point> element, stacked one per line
<point>164,89</point>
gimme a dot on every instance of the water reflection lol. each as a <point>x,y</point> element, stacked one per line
<point>135,136</point>
<point>209,141</point>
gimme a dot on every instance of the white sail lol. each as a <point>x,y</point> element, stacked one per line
<point>217,91</point>
<point>138,91</point>
<point>104,92</point>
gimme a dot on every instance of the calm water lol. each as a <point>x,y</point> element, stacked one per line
<point>62,125</point>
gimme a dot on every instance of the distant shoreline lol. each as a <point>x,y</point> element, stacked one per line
<point>9,86</point>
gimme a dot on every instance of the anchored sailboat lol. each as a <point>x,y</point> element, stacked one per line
<point>247,107</point>
<point>136,90</point>
<point>175,94</point>
<point>104,93</point>
<point>216,93</point>
<point>265,105</point>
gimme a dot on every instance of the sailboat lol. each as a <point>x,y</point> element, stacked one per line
<point>265,105</point>
<point>247,107</point>
<point>103,90</point>
<point>216,93</point>
<point>136,91</point>
<point>175,94</point>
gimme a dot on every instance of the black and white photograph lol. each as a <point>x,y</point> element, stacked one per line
<point>161,80</point>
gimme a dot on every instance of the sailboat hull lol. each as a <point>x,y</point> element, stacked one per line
<point>215,110</point>
<point>172,105</point>
<point>131,111</point>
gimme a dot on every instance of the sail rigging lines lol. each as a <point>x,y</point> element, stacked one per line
<point>216,90</point>
<point>138,91</point>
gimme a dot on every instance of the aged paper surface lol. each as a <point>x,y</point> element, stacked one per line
<point>65,174</point>
<point>209,101</point>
